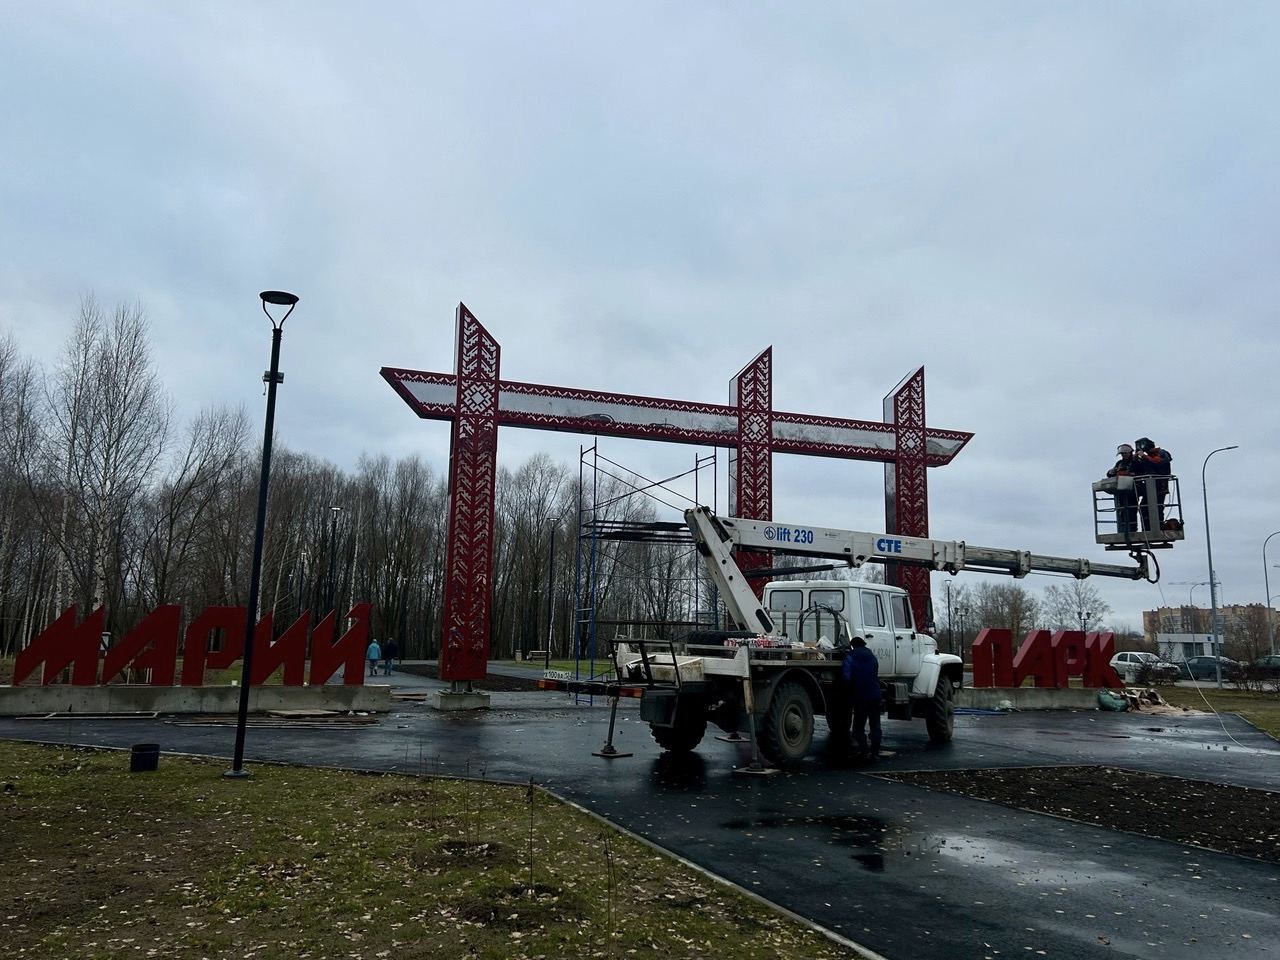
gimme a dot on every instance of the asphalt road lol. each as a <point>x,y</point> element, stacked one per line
<point>906,872</point>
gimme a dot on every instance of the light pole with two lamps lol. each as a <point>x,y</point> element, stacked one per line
<point>1213,583</point>
<point>272,378</point>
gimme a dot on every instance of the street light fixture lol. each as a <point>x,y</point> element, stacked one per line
<point>1266,583</point>
<point>1213,584</point>
<point>272,378</point>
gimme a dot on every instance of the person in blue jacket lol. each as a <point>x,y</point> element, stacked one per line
<point>373,653</point>
<point>862,676</point>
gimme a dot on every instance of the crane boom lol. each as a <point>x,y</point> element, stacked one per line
<point>716,537</point>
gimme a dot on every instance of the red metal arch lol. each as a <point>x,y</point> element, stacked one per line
<point>476,402</point>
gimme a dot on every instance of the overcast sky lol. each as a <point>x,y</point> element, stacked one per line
<point>1068,215</point>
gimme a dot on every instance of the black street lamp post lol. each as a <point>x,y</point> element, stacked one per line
<point>272,378</point>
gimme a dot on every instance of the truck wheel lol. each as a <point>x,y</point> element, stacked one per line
<point>788,725</point>
<point>686,734</point>
<point>940,721</point>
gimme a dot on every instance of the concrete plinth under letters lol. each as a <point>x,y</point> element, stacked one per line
<point>459,700</point>
<point>1029,698</point>
<point>122,698</point>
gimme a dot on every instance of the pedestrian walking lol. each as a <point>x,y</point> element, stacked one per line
<point>389,653</point>
<point>373,654</point>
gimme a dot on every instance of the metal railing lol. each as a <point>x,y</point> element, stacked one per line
<point>1137,512</point>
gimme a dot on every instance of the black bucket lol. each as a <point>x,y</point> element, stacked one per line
<point>144,758</point>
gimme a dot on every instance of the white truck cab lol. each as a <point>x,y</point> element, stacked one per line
<point>811,611</point>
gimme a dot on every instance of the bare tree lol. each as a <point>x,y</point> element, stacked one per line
<point>1007,605</point>
<point>18,423</point>
<point>180,505</point>
<point>1063,607</point>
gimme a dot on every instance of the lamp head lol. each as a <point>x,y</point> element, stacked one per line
<point>278,298</point>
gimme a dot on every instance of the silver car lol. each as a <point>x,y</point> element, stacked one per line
<point>1131,664</point>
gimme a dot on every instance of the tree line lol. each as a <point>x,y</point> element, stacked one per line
<point>105,499</point>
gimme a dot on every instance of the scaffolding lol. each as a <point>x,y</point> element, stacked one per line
<point>608,526</point>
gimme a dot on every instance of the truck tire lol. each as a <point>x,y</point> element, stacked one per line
<point>940,721</point>
<point>788,725</point>
<point>686,734</point>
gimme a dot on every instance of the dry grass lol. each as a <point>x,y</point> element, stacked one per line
<point>100,863</point>
<point>1260,709</point>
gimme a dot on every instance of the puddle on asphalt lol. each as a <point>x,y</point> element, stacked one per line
<point>680,771</point>
<point>869,838</point>
<point>1172,738</point>
<point>876,845</point>
<point>1211,747</point>
<point>1024,862</point>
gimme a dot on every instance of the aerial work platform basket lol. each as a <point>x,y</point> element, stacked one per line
<point>1137,513</point>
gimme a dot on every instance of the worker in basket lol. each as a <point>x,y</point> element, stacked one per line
<point>1125,497</point>
<point>1152,461</point>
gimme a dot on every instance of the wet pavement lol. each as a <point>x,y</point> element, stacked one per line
<point>904,871</point>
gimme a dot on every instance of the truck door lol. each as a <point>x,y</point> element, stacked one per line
<point>906,642</point>
<point>876,630</point>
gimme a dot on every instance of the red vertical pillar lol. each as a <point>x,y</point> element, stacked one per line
<point>473,461</point>
<point>751,465</point>
<point>906,486</point>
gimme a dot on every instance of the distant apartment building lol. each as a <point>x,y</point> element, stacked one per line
<point>1175,620</point>
<point>1236,620</point>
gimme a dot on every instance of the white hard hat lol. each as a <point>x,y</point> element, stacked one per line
<point>1124,448</point>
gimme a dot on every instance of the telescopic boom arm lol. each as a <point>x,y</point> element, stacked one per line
<point>716,537</point>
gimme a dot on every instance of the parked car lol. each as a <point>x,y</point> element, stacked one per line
<point>1266,667</point>
<point>1135,666</point>
<point>1205,668</point>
